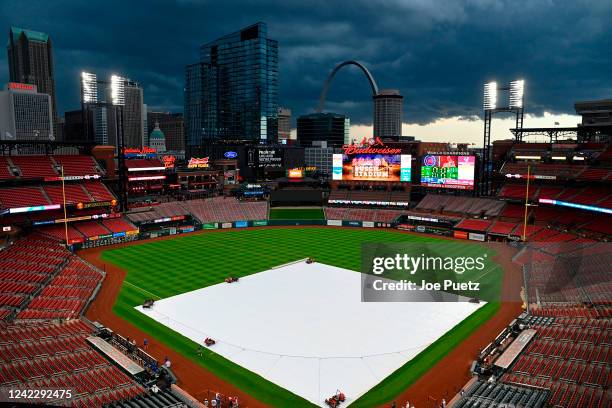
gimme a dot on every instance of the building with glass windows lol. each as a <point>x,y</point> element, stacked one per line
<point>25,114</point>
<point>30,60</point>
<point>231,94</point>
<point>388,110</point>
<point>331,128</point>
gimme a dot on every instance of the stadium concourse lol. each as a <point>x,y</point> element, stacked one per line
<point>557,353</point>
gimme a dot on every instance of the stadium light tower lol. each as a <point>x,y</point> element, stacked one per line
<point>89,99</point>
<point>516,98</point>
<point>89,87</point>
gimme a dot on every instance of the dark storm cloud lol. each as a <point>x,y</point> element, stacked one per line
<point>438,53</point>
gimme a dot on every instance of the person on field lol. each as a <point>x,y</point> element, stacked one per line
<point>145,344</point>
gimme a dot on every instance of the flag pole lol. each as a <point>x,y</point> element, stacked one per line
<point>65,214</point>
<point>526,203</point>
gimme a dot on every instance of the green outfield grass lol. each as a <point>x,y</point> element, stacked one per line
<point>297,214</point>
<point>169,267</point>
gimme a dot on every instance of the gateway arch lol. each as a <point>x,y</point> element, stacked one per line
<point>333,73</point>
<point>388,103</point>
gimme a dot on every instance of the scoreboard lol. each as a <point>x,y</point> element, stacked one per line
<point>444,171</point>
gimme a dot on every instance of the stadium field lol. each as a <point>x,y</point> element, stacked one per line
<point>164,268</point>
<point>297,214</point>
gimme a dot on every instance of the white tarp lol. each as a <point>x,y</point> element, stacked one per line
<point>304,327</point>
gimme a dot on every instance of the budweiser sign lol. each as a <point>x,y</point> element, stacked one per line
<point>371,146</point>
<point>198,163</point>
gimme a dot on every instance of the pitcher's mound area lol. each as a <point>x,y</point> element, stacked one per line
<point>304,327</point>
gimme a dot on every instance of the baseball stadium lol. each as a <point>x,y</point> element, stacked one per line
<point>252,292</point>
<point>385,271</point>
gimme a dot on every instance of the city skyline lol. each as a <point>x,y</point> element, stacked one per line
<point>432,53</point>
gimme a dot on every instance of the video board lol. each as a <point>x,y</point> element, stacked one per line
<point>372,167</point>
<point>444,171</point>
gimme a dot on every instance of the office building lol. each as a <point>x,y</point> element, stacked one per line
<point>74,126</point>
<point>284,124</point>
<point>232,92</point>
<point>132,110</point>
<point>331,128</point>
<point>173,126</point>
<point>25,114</point>
<point>30,58</point>
<point>388,108</point>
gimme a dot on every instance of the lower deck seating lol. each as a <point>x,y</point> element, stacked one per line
<point>117,225</point>
<point>474,225</point>
<point>221,209</point>
<point>492,395</point>
<point>361,214</point>
<point>51,355</point>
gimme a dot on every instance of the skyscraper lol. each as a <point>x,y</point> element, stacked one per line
<point>232,93</point>
<point>284,123</point>
<point>388,107</point>
<point>30,59</point>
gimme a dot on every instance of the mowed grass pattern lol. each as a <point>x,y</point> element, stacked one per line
<point>169,267</point>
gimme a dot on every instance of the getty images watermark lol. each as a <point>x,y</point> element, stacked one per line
<point>429,272</point>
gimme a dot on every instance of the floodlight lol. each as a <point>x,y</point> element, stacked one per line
<point>517,91</point>
<point>490,95</point>
<point>89,87</point>
<point>117,90</point>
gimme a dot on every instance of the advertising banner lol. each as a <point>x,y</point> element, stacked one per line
<point>460,234</point>
<point>476,237</point>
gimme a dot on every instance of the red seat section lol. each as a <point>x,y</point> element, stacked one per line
<point>5,171</point>
<point>22,197</point>
<point>58,231</point>
<point>34,166</point>
<point>474,225</point>
<point>91,228</point>
<point>118,225</point>
<point>361,214</point>
<point>77,165</point>
<point>98,191</point>
<point>74,194</point>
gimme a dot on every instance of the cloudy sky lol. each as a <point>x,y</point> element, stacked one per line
<point>438,53</point>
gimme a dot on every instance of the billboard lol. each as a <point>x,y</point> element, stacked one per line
<point>372,167</point>
<point>270,158</point>
<point>445,171</point>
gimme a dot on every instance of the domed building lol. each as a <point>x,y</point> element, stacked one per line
<point>157,139</point>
